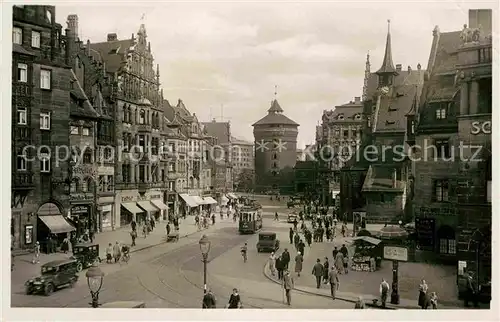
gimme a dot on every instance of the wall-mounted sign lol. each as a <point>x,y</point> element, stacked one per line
<point>396,253</point>
<point>480,127</point>
<point>81,196</point>
<point>76,210</point>
<point>85,170</point>
<point>28,234</point>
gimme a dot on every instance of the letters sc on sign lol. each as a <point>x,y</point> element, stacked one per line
<point>481,127</point>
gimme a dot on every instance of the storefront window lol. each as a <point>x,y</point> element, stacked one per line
<point>28,234</point>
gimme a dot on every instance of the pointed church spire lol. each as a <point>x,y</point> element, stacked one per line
<point>367,76</point>
<point>387,64</point>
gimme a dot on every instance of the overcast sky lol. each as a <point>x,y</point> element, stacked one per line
<point>233,54</point>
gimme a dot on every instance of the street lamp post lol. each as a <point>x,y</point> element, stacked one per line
<point>94,280</point>
<point>205,249</point>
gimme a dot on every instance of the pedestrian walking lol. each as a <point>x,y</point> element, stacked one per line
<point>422,294</point>
<point>65,245</point>
<point>279,267</point>
<point>133,224</point>
<point>302,248</point>
<point>296,241</point>
<point>384,292</point>
<point>234,300</point>
<point>328,234</point>
<point>285,257</point>
<point>290,235</point>
<point>471,291</point>
<point>209,300</point>
<point>433,300</point>
<point>276,216</point>
<point>36,255</point>
<point>326,267</point>
<point>344,250</point>
<point>168,229</point>
<point>213,219</point>
<point>144,230</point>
<point>346,264</point>
<point>91,235</point>
<point>272,263</point>
<point>298,263</point>
<point>117,252</point>
<point>317,271</point>
<point>133,235</point>
<point>343,230</point>
<point>153,223</point>
<point>339,262</point>
<point>109,253</point>
<point>288,285</point>
<point>308,236</point>
<point>333,278</point>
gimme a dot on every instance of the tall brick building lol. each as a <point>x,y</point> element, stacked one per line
<point>275,146</point>
<point>452,203</point>
<point>41,81</point>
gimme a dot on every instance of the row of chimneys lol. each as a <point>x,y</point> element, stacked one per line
<point>399,67</point>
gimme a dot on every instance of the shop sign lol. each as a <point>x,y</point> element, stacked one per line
<point>85,170</point>
<point>480,127</point>
<point>128,198</point>
<point>81,196</point>
<point>76,210</point>
<point>396,253</point>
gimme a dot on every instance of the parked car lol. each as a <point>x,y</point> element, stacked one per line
<point>86,255</point>
<point>268,242</point>
<point>54,275</point>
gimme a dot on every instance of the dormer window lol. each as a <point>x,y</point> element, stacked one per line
<point>340,117</point>
<point>357,117</point>
<point>441,112</point>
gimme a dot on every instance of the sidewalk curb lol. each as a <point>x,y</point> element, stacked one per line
<point>342,298</point>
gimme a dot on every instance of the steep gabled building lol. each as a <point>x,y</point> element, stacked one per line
<point>376,181</point>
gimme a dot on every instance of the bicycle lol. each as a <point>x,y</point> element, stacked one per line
<point>126,257</point>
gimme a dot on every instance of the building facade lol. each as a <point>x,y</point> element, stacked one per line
<point>377,184</point>
<point>137,101</point>
<point>41,81</point>
<point>275,147</point>
<point>242,161</point>
<point>453,186</point>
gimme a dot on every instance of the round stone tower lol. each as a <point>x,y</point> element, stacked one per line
<point>275,145</point>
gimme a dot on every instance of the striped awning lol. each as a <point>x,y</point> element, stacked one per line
<point>188,200</point>
<point>209,201</point>
<point>159,204</point>
<point>147,205</point>
<point>132,207</point>
<point>57,224</point>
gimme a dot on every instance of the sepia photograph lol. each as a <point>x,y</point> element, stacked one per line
<point>250,155</point>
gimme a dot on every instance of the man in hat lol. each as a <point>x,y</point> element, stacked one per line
<point>288,285</point>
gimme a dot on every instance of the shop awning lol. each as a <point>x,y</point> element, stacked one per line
<point>209,201</point>
<point>49,209</point>
<point>199,200</point>
<point>159,204</point>
<point>57,224</point>
<point>148,206</point>
<point>232,195</point>
<point>188,200</point>
<point>132,207</point>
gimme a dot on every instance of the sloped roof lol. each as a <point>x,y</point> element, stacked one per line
<point>219,130</point>
<point>275,119</point>
<point>275,107</point>
<point>395,106</point>
<point>84,108</point>
<point>348,112</point>
<point>239,141</point>
<point>113,53</point>
<point>446,52</point>
<point>379,178</point>
<point>21,50</point>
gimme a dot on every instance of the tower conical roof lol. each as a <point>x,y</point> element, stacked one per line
<point>275,107</point>
<point>387,64</point>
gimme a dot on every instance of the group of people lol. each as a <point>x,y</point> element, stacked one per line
<point>210,301</point>
<point>117,251</point>
<point>279,263</point>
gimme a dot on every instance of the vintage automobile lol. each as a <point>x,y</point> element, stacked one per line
<point>292,217</point>
<point>86,255</point>
<point>268,242</point>
<point>54,275</point>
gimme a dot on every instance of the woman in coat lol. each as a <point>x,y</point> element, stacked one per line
<point>272,263</point>
<point>298,263</point>
<point>326,269</point>
<point>422,295</point>
<point>339,262</point>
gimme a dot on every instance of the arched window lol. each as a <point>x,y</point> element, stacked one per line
<point>129,117</point>
<point>142,117</point>
<point>74,185</point>
<point>85,186</point>
<point>87,156</point>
